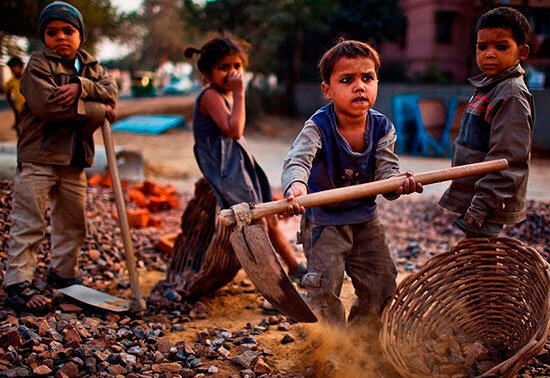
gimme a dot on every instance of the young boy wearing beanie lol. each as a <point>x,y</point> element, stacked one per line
<point>68,96</point>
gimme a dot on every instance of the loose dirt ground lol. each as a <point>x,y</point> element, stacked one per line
<point>169,158</point>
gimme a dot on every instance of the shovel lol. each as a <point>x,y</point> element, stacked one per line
<point>94,297</point>
<point>255,252</point>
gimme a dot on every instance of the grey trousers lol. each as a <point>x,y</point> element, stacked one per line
<point>359,249</point>
<point>65,186</point>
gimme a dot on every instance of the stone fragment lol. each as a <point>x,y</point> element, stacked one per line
<point>288,338</point>
<point>476,351</point>
<point>127,359</point>
<point>283,326</point>
<point>70,308</point>
<point>224,352</point>
<point>117,369</point>
<point>177,327</point>
<point>135,350</point>
<point>11,337</point>
<point>168,367</point>
<point>164,346</point>
<point>42,370</point>
<point>261,367</point>
<point>72,335</point>
<point>213,370</point>
<point>70,370</point>
<point>246,359</point>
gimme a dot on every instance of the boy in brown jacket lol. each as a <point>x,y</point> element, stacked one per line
<point>498,123</point>
<point>68,96</point>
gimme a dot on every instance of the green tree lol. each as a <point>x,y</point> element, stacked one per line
<point>159,32</point>
<point>288,37</point>
<point>276,29</point>
<point>20,18</point>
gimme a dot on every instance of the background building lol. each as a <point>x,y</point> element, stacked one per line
<point>438,42</point>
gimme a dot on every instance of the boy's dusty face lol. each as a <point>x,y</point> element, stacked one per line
<point>497,50</point>
<point>353,86</point>
<point>62,37</point>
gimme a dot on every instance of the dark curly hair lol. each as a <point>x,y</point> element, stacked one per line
<point>346,48</point>
<point>506,18</point>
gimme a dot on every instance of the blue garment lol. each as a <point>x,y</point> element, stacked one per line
<point>226,163</point>
<point>336,165</point>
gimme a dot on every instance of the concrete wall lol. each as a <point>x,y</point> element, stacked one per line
<point>308,98</point>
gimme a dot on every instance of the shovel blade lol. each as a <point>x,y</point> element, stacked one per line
<point>96,298</point>
<point>255,252</point>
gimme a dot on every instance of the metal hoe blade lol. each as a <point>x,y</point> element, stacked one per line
<point>255,252</point>
<point>96,298</point>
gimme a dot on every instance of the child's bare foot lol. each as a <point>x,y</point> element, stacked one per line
<point>23,297</point>
<point>38,301</point>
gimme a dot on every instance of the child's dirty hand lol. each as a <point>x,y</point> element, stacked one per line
<point>66,95</point>
<point>109,113</point>
<point>235,81</point>
<point>296,189</point>
<point>409,185</point>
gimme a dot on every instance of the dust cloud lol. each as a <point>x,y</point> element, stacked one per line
<point>338,352</point>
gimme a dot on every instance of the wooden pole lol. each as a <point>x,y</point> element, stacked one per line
<point>227,218</point>
<point>137,304</point>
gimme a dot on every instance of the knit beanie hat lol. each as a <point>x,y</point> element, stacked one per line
<point>60,10</point>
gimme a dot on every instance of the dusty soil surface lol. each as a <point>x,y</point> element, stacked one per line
<point>416,228</point>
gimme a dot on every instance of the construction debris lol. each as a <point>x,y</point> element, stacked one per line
<point>144,198</point>
<point>82,343</point>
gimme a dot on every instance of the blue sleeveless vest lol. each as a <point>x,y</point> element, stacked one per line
<point>336,165</point>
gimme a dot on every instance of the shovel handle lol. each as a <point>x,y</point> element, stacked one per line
<point>137,304</point>
<point>227,217</point>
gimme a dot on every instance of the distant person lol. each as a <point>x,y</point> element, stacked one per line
<point>346,143</point>
<point>497,123</point>
<point>68,96</point>
<point>221,150</point>
<point>13,96</point>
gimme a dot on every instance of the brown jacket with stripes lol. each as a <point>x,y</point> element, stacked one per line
<point>497,123</point>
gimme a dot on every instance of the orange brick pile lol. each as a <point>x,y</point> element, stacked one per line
<point>147,196</point>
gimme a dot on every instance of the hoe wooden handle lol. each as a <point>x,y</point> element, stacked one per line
<point>137,304</point>
<point>227,218</point>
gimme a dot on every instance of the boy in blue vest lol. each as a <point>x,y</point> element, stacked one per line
<point>345,143</point>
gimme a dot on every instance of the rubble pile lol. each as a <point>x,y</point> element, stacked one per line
<point>145,198</point>
<point>73,341</point>
<point>70,345</point>
<point>102,260</point>
<point>452,353</point>
<point>419,228</point>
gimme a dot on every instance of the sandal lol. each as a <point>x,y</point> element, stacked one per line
<point>21,294</point>
<point>58,282</point>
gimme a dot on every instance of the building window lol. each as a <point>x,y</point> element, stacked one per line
<point>444,21</point>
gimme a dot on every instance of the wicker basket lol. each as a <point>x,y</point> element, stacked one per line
<point>494,290</point>
<point>203,259</point>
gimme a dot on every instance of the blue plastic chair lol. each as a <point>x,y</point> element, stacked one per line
<point>425,143</point>
<point>405,113</point>
<point>457,107</point>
